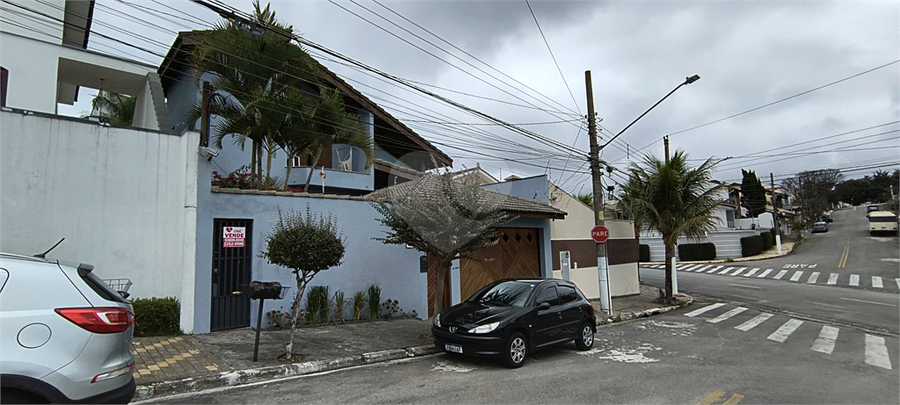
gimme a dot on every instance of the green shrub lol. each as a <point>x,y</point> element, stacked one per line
<point>644,253</point>
<point>374,298</point>
<point>317,304</point>
<point>156,316</point>
<point>359,302</point>
<point>751,245</point>
<point>339,306</point>
<point>696,251</point>
<point>768,240</point>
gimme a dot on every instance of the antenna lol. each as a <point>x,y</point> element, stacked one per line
<point>43,255</point>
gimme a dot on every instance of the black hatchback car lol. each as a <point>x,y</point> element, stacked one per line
<point>510,318</point>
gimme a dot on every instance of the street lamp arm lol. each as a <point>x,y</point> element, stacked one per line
<point>688,80</point>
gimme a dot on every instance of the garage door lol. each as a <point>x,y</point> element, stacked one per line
<point>515,255</point>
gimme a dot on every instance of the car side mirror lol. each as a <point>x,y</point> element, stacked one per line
<point>544,305</point>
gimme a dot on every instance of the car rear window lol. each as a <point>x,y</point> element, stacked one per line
<point>567,294</point>
<point>101,288</point>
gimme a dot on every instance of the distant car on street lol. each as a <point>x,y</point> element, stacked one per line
<point>820,227</point>
<point>510,318</point>
<point>826,218</point>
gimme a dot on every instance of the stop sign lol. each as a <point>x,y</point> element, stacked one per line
<point>600,234</point>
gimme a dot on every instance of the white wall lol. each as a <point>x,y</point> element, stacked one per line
<point>124,199</point>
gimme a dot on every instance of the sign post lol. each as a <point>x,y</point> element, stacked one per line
<point>600,234</point>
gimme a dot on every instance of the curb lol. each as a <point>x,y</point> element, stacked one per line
<point>241,377</point>
<point>644,314</point>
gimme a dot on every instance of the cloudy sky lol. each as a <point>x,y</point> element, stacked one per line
<point>785,86</point>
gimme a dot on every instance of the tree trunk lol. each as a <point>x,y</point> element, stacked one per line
<point>314,160</point>
<point>295,310</point>
<point>442,268</point>
<point>670,253</point>
<point>287,175</point>
<point>252,162</point>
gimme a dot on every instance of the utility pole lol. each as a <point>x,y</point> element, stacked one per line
<point>602,267</point>
<point>775,214</point>
<point>674,268</point>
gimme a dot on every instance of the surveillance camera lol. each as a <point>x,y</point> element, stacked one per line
<point>210,152</point>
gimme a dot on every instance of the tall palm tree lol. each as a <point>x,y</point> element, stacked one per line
<point>677,201</point>
<point>632,191</point>
<point>278,100</point>
<point>254,71</point>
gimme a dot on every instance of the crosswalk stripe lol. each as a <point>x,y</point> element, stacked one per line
<point>711,398</point>
<point>704,309</point>
<point>898,282</point>
<point>797,275</point>
<point>702,269</point>
<point>785,330</point>
<point>813,278</point>
<point>779,275</point>
<point>714,269</point>
<point>876,282</point>
<point>726,270</point>
<point>753,322</point>
<point>764,273</point>
<point>687,267</point>
<point>738,271</point>
<point>752,272</point>
<point>832,279</point>
<point>727,315</point>
<point>854,280</point>
<point>876,352</point>
<point>825,342</point>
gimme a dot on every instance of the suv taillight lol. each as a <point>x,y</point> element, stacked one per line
<point>99,319</point>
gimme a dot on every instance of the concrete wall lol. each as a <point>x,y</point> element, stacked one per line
<point>623,278</point>
<point>728,243</point>
<point>124,199</point>
<point>366,261</point>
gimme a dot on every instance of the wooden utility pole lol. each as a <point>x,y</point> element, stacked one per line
<point>602,266</point>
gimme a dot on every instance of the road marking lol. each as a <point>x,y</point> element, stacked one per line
<point>779,275</point>
<point>764,273</point>
<point>876,352</point>
<point>733,400</point>
<point>688,267</point>
<point>854,280</point>
<point>898,282</point>
<point>785,330</point>
<point>825,342</point>
<point>827,305</point>
<point>727,315</point>
<point>714,269</point>
<point>746,286</point>
<point>832,279</point>
<point>726,270</point>
<point>752,272</point>
<point>711,398</point>
<point>876,282</point>
<point>813,278</point>
<point>702,269</point>
<point>869,302</point>
<point>753,322</point>
<point>738,271</point>
<point>797,275</point>
<point>843,262</point>
<point>704,309</point>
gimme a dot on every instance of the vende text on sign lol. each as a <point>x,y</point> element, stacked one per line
<point>233,237</point>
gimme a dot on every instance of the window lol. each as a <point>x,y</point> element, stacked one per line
<point>567,294</point>
<point>549,295</point>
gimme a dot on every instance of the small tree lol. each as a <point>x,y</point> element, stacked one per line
<point>440,216</point>
<point>306,244</point>
<point>753,194</point>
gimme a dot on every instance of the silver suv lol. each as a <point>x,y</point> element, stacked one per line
<point>66,336</point>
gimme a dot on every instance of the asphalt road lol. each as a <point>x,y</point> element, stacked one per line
<point>665,359</point>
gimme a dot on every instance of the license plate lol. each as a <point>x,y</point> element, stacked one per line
<point>452,348</point>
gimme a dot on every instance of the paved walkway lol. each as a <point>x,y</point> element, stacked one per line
<point>171,365</point>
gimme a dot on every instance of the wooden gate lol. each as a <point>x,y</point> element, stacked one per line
<point>516,254</point>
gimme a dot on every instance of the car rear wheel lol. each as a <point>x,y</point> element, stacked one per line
<point>516,350</point>
<point>585,340</point>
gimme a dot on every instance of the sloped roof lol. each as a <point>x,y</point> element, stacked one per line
<point>429,186</point>
<point>179,52</point>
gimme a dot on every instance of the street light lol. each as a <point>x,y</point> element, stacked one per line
<point>602,268</point>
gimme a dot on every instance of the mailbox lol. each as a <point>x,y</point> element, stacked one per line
<point>265,290</point>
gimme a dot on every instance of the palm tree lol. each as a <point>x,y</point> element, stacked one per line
<point>277,100</point>
<point>632,191</point>
<point>677,201</point>
<point>117,108</point>
<point>254,71</point>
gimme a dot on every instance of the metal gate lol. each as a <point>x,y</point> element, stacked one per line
<point>232,255</point>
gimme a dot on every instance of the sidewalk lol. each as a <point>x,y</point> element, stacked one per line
<point>180,364</point>
<point>173,365</point>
